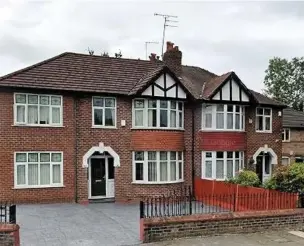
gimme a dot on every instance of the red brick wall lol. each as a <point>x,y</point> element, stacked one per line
<point>157,140</point>
<point>222,141</point>
<point>166,228</point>
<point>255,140</point>
<point>23,138</point>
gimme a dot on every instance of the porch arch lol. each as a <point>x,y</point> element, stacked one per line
<point>265,149</point>
<point>100,149</point>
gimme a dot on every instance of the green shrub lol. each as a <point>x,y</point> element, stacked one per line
<point>246,178</point>
<point>288,178</point>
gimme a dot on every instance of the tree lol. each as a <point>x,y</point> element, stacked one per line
<point>284,81</point>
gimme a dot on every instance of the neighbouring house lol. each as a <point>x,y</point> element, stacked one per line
<point>78,127</point>
<point>292,136</point>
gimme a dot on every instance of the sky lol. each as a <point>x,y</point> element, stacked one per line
<point>218,36</point>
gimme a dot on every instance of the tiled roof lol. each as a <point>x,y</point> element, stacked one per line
<point>214,83</point>
<point>262,99</point>
<point>293,118</point>
<point>86,73</point>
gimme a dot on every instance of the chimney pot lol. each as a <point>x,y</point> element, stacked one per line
<point>173,58</point>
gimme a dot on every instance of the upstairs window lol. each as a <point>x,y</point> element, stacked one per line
<point>286,135</point>
<point>104,112</point>
<point>263,120</point>
<point>37,110</point>
<point>223,117</point>
<point>158,114</point>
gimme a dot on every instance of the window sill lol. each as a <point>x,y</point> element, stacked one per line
<point>157,183</point>
<point>158,128</point>
<point>285,141</point>
<point>38,187</point>
<point>221,130</point>
<point>25,125</point>
<point>104,127</point>
<point>263,131</point>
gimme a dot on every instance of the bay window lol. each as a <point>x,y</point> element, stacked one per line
<point>158,114</point>
<point>38,169</point>
<point>104,112</point>
<point>157,167</point>
<point>223,117</point>
<point>263,121</point>
<point>37,110</point>
<point>221,165</point>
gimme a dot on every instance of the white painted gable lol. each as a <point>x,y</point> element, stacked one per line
<point>170,88</point>
<point>225,92</point>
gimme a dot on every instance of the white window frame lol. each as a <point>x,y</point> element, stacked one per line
<point>284,135</point>
<point>26,186</point>
<point>16,123</point>
<point>286,157</point>
<point>264,120</point>
<point>225,112</point>
<point>145,168</point>
<point>145,114</point>
<point>213,160</point>
<point>103,115</point>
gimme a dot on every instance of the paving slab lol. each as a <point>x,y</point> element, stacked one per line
<point>106,224</point>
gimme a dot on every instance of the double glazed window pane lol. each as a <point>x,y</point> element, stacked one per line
<point>152,171</point>
<point>44,115</point>
<point>21,175</point>
<point>163,171</point>
<point>230,169</point>
<point>139,171</point>
<point>56,174</point>
<point>104,111</point>
<point>20,114</point>
<point>152,118</point>
<point>208,169</point>
<point>33,174</point>
<point>219,169</point>
<point>163,118</point>
<point>219,120</point>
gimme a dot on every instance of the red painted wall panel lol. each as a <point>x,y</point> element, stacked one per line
<point>222,141</point>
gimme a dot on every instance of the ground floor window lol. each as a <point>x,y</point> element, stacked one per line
<point>157,166</point>
<point>285,160</point>
<point>38,169</point>
<point>221,165</point>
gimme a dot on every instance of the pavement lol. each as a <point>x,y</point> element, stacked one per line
<point>282,238</point>
<point>106,224</point>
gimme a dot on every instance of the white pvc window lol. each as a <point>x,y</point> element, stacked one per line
<point>166,114</point>
<point>38,169</point>
<point>221,165</point>
<point>286,135</point>
<point>37,110</point>
<point>263,121</point>
<point>104,112</point>
<point>157,167</point>
<point>223,117</point>
<point>285,160</point>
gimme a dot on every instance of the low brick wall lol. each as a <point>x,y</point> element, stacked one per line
<point>9,235</point>
<point>157,229</point>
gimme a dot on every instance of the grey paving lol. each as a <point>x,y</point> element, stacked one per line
<point>282,238</point>
<point>74,224</point>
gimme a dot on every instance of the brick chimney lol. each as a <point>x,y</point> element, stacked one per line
<point>173,58</point>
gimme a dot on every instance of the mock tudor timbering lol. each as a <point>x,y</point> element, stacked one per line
<point>126,129</point>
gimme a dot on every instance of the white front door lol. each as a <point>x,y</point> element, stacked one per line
<point>264,166</point>
<point>101,177</point>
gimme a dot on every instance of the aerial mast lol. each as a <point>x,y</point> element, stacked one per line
<point>167,19</point>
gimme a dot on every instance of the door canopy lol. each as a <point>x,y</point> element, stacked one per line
<point>265,149</point>
<point>100,149</point>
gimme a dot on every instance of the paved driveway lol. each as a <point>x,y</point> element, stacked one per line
<point>74,224</point>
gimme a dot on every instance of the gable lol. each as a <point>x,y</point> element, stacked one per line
<point>231,90</point>
<point>165,86</point>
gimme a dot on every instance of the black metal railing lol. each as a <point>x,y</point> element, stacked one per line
<point>183,202</point>
<point>7,213</point>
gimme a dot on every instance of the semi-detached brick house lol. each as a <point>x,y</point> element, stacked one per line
<point>78,127</point>
<point>292,136</point>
